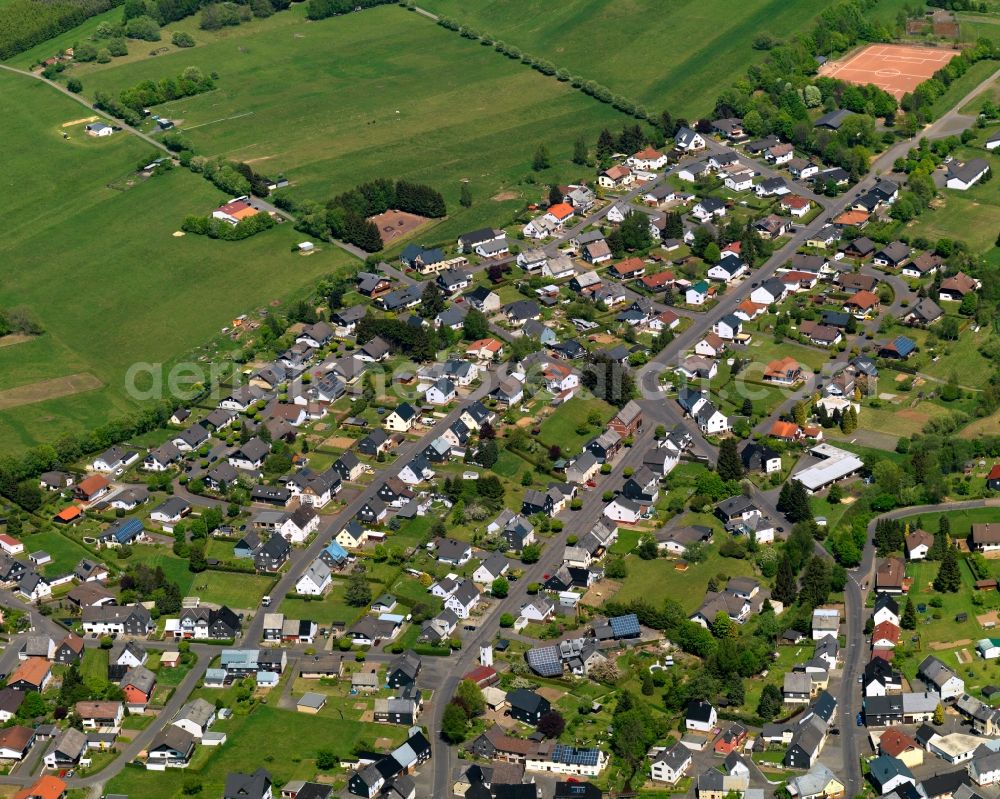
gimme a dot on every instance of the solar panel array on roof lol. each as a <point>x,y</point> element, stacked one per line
<point>545,661</point>
<point>573,756</point>
<point>625,626</point>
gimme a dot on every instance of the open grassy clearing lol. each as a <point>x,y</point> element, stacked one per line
<point>282,741</point>
<point>655,581</point>
<point>65,552</point>
<point>703,46</point>
<point>560,427</point>
<point>296,98</point>
<point>231,588</point>
<point>968,215</point>
<point>899,421</point>
<point>101,270</point>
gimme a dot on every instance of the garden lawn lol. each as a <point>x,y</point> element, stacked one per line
<point>294,97</point>
<point>961,357</point>
<point>899,420</point>
<point>131,292</point>
<point>65,552</point>
<point>706,45</point>
<point>967,215</point>
<point>329,608</point>
<point>94,666</point>
<point>236,590</point>
<point>175,569</point>
<point>763,349</point>
<point>284,742</point>
<point>944,628</point>
<point>655,581</point>
<point>560,428</point>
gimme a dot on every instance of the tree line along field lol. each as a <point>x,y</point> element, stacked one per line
<point>676,55</point>
<point>379,93</point>
<point>101,270</point>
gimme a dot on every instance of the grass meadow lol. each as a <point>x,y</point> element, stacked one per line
<point>101,271</point>
<point>282,741</point>
<point>677,56</point>
<point>382,93</point>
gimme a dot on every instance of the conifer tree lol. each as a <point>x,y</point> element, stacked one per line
<point>729,465</point>
<point>948,579</point>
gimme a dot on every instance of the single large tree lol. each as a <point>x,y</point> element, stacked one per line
<point>815,582</point>
<point>358,593</point>
<point>551,724</point>
<point>432,301</point>
<point>949,578</point>
<point>454,723</point>
<point>909,620</point>
<point>785,589</point>
<point>470,697</point>
<point>769,705</point>
<point>729,465</point>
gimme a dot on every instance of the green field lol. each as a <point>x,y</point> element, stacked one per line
<point>101,271</point>
<point>65,552</point>
<point>231,588</point>
<point>657,580</point>
<point>967,215</point>
<point>560,427</point>
<point>677,57</point>
<point>283,742</point>
<point>175,569</point>
<point>296,97</point>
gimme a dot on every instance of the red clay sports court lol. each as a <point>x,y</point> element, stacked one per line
<point>897,68</point>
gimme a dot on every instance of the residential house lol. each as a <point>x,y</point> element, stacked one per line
<point>963,176</point>
<point>940,678</point>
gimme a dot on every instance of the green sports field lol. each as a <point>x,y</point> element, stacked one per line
<point>101,270</point>
<point>380,93</point>
<point>676,55</point>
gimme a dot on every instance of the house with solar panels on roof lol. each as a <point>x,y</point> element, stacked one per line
<point>618,628</point>
<point>578,656</point>
<point>573,760</point>
<point>121,532</point>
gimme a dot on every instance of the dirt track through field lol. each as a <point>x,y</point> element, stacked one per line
<point>14,338</point>
<point>48,389</point>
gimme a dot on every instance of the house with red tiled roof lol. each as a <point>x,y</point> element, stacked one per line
<point>885,635</point>
<point>665,320</point>
<point>234,212</point>
<point>796,280</point>
<point>90,488</point>
<point>796,205</point>
<point>616,177</point>
<point>647,160</point>
<point>485,349</point>
<point>32,675</point>
<point>993,478</point>
<point>896,743</point>
<point>629,268</point>
<point>482,676</point>
<point>784,371</point>
<point>658,281</point>
<point>560,212</point>
<point>851,218</point>
<point>786,431</point>
<point>748,310</point>
<point>862,304</point>
<point>45,787</point>
<point>710,346</point>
